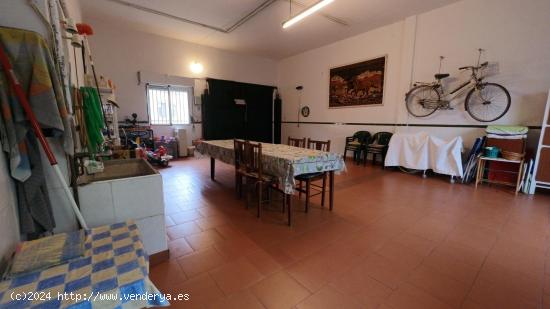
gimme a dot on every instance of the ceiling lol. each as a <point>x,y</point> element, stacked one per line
<point>262,35</point>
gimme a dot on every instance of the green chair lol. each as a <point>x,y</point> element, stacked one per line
<point>378,146</point>
<point>357,143</point>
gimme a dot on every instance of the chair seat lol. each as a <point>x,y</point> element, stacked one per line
<point>376,146</point>
<point>265,177</point>
<point>309,176</point>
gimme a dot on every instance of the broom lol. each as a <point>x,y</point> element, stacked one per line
<point>85,30</point>
<point>16,86</point>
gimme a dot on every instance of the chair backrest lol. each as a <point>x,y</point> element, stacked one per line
<point>318,145</point>
<point>238,148</point>
<point>297,142</point>
<point>382,138</point>
<point>252,158</point>
<point>362,136</point>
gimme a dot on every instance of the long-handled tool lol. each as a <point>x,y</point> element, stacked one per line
<point>16,86</point>
<point>85,30</point>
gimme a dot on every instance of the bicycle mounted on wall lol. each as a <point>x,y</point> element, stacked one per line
<point>484,102</point>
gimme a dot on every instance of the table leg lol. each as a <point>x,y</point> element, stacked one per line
<point>289,202</point>
<point>331,189</point>
<point>212,168</point>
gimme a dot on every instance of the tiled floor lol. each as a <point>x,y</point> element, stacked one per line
<point>393,241</point>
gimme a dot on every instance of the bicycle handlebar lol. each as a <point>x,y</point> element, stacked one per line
<point>484,64</point>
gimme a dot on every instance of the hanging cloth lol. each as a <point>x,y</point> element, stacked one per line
<point>93,117</point>
<point>35,70</point>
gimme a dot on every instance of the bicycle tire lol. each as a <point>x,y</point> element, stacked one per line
<point>468,104</point>
<point>409,104</point>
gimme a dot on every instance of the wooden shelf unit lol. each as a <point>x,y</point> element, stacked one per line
<point>541,175</point>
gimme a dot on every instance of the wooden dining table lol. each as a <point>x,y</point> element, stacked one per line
<point>281,161</point>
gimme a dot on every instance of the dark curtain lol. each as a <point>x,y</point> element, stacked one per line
<point>224,119</point>
<point>277,109</point>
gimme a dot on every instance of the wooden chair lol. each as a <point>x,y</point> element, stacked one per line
<point>357,144</point>
<point>297,142</point>
<point>378,145</point>
<point>240,171</point>
<point>248,164</point>
<point>309,178</point>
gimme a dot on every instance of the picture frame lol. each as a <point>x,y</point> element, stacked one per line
<point>359,84</point>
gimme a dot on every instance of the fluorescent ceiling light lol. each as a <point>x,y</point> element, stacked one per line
<point>305,13</point>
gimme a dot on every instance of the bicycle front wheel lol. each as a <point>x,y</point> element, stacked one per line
<point>422,101</point>
<point>488,102</point>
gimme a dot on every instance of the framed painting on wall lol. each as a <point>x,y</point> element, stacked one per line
<point>358,84</point>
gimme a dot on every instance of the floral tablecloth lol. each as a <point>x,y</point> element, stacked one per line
<point>282,161</point>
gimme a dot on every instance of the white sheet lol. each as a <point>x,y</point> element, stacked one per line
<point>421,151</point>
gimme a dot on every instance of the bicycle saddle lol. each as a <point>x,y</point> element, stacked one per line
<point>441,76</point>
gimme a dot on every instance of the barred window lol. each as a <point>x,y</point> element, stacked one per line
<point>168,105</point>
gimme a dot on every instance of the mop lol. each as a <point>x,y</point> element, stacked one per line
<point>85,30</point>
<point>16,86</point>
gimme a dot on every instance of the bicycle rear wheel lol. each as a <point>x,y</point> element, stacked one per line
<point>488,102</point>
<point>421,101</point>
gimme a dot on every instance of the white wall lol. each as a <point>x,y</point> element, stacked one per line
<point>515,34</point>
<point>120,53</point>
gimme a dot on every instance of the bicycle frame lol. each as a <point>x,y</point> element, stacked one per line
<point>461,89</point>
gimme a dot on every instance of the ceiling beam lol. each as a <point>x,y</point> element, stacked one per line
<point>229,29</point>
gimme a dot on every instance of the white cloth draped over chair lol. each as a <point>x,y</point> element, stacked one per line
<point>422,151</point>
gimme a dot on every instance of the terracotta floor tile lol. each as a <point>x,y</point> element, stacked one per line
<point>179,248</point>
<point>469,304</point>
<point>168,221</point>
<point>236,247</point>
<point>264,262</point>
<point>329,298</point>
<point>280,290</point>
<point>316,270</point>
<point>420,245</point>
<point>279,255</point>
<point>167,274</point>
<point>202,291</point>
<point>456,251</point>
<point>236,276</point>
<point>473,236</point>
<point>182,230</point>
<point>185,216</point>
<point>446,289</point>
<point>404,256</point>
<point>452,266</point>
<point>240,300</point>
<point>494,296</point>
<point>210,211</point>
<point>411,297</point>
<point>521,258</point>
<point>358,284</point>
<point>385,271</point>
<point>378,247</point>
<point>510,282</point>
<point>200,262</point>
<point>204,239</point>
<point>212,222</point>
